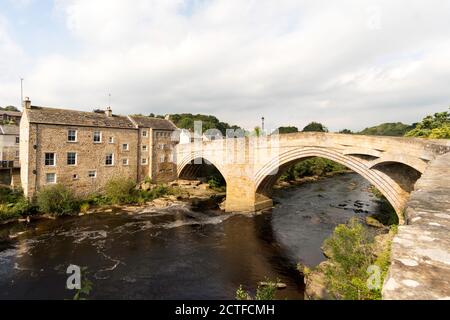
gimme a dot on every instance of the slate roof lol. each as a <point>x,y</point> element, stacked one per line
<point>11,113</point>
<point>55,116</point>
<point>9,130</point>
<point>155,123</point>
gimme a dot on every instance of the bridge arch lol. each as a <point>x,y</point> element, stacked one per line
<point>269,173</point>
<point>189,168</point>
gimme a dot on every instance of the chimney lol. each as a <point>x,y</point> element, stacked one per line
<point>167,117</point>
<point>108,112</point>
<point>27,103</point>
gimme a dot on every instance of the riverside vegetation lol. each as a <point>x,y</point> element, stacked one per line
<point>58,200</point>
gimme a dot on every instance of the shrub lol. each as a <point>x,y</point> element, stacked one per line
<point>351,253</point>
<point>263,292</point>
<point>84,207</point>
<point>57,200</point>
<point>121,190</point>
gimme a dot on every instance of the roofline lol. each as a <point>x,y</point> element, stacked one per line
<point>81,125</point>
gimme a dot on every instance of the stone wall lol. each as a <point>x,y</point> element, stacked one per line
<point>420,259</point>
<point>90,156</point>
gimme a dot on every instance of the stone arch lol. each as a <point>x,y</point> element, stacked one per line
<point>269,173</point>
<point>186,165</point>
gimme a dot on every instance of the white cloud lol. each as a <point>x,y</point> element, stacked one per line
<point>347,63</point>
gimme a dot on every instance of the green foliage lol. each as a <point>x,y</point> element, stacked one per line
<point>58,200</point>
<point>386,214</point>
<point>84,207</point>
<point>351,251</point>
<point>266,292</point>
<point>387,129</point>
<point>282,130</point>
<point>346,131</point>
<point>186,121</point>
<point>10,108</point>
<point>315,127</point>
<point>263,292</point>
<point>433,127</point>
<point>311,167</point>
<point>120,190</point>
<point>241,294</point>
<point>86,286</point>
<point>217,182</point>
<point>13,204</point>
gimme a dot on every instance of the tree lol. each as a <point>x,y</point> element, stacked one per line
<point>289,129</point>
<point>346,131</point>
<point>397,129</point>
<point>11,108</point>
<point>436,126</point>
<point>315,127</point>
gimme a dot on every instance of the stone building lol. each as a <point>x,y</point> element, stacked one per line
<point>9,154</point>
<point>83,150</point>
<point>10,117</point>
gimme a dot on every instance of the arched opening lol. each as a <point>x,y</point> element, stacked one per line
<point>394,181</point>
<point>203,170</point>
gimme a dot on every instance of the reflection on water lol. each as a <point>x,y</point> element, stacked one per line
<point>178,253</point>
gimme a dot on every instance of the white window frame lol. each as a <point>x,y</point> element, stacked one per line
<point>54,159</point>
<point>125,162</point>
<point>94,135</point>
<point>144,147</point>
<point>111,140</point>
<point>52,182</point>
<point>95,174</point>
<point>112,159</point>
<point>76,135</point>
<point>127,147</point>
<point>144,133</point>
<point>76,159</point>
<point>144,161</point>
<point>75,177</point>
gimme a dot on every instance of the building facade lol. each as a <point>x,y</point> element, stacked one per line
<point>9,154</point>
<point>83,150</point>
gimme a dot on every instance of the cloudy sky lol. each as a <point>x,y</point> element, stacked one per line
<point>348,64</point>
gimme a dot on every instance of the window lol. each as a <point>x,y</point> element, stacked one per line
<point>144,161</point>
<point>75,177</point>
<point>92,174</point>
<point>111,140</point>
<point>144,133</point>
<point>162,158</point>
<point>125,162</point>
<point>97,137</point>
<point>109,161</point>
<point>144,148</point>
<point>17,154</point>
<point>71,158</point>
<point>17,140</point>
<point>50,159</point>
<point>50,178</point>
<point>125,147</point>
<point>72,135</point>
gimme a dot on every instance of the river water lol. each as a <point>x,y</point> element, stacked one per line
<point>179,252</point>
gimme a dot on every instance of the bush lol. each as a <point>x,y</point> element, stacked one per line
<point>351,250</point>
<point>312,167</point>
<point>263,292</point>
<point>13,204</point>
<point>121,190</point>
<point>57,200</point>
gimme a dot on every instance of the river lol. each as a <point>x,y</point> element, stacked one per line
<point>179,252</point>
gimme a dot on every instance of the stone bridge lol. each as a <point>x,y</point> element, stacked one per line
<point>251,166</point>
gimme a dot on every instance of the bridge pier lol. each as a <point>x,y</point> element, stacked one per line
<point>241,196</point>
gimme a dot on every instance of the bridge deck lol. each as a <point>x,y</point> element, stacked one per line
<point>420,266</point>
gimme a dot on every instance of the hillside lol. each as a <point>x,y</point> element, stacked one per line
<point>388,129</point>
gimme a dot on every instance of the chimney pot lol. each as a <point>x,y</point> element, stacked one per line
<point>108,112</point>
<point>27,103</point>
<point>167,117</point>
